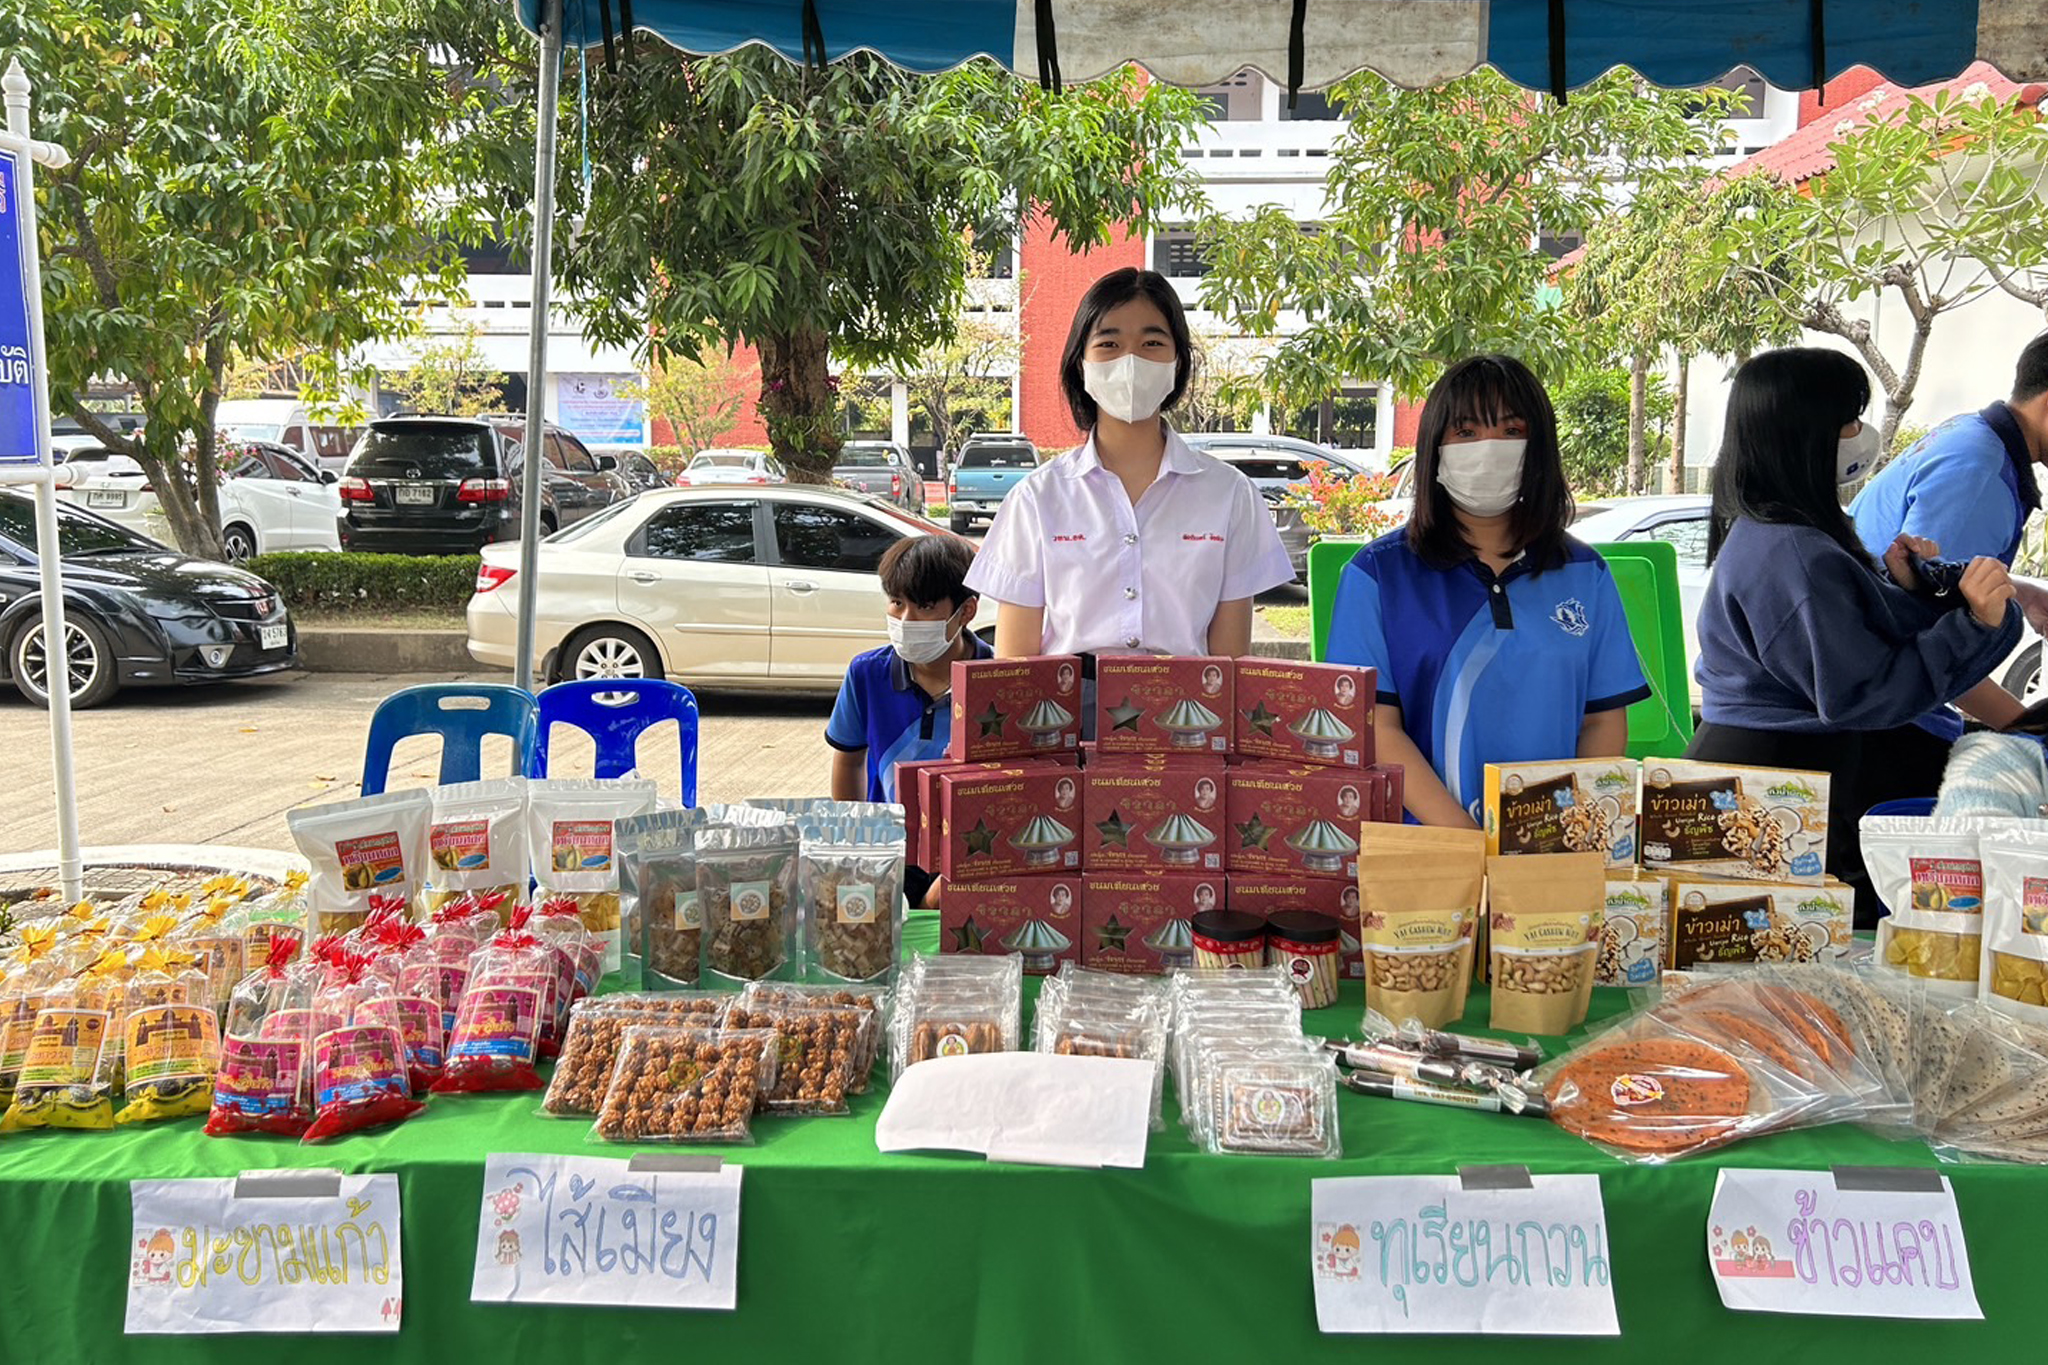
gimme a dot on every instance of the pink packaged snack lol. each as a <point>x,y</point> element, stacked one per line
<point>998,823</point>
<point>496,1041</point>
<point>1143,922</point>
<point>261,1086</point>
<point>1305,713</point>
<point>1037,918</point>
<point>1015,708</point>
<point>359,1081</point>
<point>1152,703</point>
<point>1146,814</point>
<point>1287,820</point>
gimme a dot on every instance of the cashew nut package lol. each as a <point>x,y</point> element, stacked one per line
<point>1570,806</point>
<point>1420,893</point>
<point>1544,913</point>
<point>1763,824</point>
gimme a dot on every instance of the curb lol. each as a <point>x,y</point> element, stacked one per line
<point>350,649</point>
<point>1280,647</point>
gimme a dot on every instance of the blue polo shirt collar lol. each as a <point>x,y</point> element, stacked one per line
<point>1999,417</point>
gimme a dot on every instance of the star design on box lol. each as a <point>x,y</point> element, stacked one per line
<point>1255,832</point>
<point>980,839</point>
<point>1115,833</point>
<point>1263,720</point>
<point>1124,716</point>
<point>1112,936</point>
<point>968,937</point>
<point>991,721</point>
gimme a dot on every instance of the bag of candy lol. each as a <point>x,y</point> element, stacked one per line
<point>511,991</point>
<point>261,1085</point>
<point>170,1055</point>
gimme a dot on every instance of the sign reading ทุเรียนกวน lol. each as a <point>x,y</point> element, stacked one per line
<point>276,1251</point>
<point>1840,1244</point>
<point>659,1231</point>
<point>1520,1256</point>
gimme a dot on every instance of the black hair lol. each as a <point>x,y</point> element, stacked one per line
<point>1489,389</point>
<point>927,570</point>
<point>1786,411</point>
<point>2030,376</point>
<point>1114,290</point>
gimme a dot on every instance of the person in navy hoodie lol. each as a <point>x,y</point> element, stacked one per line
<point>1813,654</point>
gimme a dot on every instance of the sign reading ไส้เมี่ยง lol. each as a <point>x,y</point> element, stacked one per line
<point>275,1251</point>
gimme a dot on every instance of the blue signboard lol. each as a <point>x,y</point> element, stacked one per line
<point>17,348</point>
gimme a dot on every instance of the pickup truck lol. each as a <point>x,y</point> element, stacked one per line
<point>882,469</point>
<point>987,469</point>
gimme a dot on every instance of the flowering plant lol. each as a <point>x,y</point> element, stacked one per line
<point>1334,502</point>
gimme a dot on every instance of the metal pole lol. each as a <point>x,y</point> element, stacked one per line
<point>537,352</point>
<point>56,641</point>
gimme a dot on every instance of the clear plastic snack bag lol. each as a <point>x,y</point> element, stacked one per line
<point>590,1045</point>
<point>571,839</point>
<point>850,893</point>
<point>658,893</point>
<point>685,1085</point>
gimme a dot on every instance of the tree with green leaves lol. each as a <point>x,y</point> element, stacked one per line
<point>699,396</point>
<point>1436,203</point>
<point>944,379</point>
<point>449,378</point>
<point>831,214</point>
<point>1594,429</point>
<point>255,178</point>
<point>1934,205</point>
<point>1651,280</point>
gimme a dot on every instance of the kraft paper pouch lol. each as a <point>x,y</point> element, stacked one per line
<point>1545,913</point>
<point>1416,924</point>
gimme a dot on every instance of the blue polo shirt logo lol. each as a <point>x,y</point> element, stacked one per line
<point>1572,617</point>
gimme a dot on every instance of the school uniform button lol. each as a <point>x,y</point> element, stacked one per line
<point>1130,594</point>
<point>1130,538</point>
<point>1130,642</point>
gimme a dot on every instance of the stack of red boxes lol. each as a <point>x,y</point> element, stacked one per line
<point>1211,783</point>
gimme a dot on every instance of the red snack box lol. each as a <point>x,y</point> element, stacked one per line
<point>911,796</point>
<point>1258,895</point>
<point>1038,918</point>
<point>1305,713</point>
<point>924,841</point>
<point>1393,792</point>
<point>1015,708</point>
<point>1140,923</point>
<point>1154,815</point>
<point>1151,703</point>
<point>1288,821</point>
<point>996,823</point>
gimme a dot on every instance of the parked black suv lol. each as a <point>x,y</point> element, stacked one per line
<point>451,485</point>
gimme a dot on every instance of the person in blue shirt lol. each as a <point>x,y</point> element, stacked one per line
<point>1969,486</point>
<point>1812,654</point>
<point>1498,638</point>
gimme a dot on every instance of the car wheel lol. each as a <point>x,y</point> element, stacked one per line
<point>94,675</point>
<point>238,542</point>
<point>2025,674</point>
<point>547,524</point>
<point>607,652</point>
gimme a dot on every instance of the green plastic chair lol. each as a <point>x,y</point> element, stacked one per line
<point>1645,573</point>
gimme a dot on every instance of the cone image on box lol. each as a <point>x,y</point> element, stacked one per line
<point>1323,847</point>
<point>1038,943</point>
<point>1180,840</point>
<point>1321,734</point>
<point>1174,941</point>
<point>1041,840</point>
<point>1188,725</point>
<point>1044,722</point>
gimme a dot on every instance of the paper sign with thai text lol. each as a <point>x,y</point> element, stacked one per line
<point>203,1259</point>
<point>567,1229</point>
<point>1793,1242</point>
<point>1426,1254</point>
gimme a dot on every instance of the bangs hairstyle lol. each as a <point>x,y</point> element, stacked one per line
<point>1486,390</point>
<point>927,570</point>
<point>1786,412</point>
<point>1113,290</point>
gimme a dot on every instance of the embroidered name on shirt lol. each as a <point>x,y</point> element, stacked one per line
<point>1210,536</point>
<point>1571,617</point>
<point>1066,540</point>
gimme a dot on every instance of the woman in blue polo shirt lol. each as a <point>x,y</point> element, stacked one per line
<point>1498,638</point>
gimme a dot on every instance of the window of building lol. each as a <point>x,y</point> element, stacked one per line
<point>1241,99</point>
<point>1176,256</point>
<point>1348,419</point>
<point>1309,106</point>
<point>1558,245</point>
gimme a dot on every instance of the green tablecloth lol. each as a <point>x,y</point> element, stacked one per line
<point>849,1255</point>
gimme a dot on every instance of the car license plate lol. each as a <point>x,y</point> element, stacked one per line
<point>272,637</point>
<point>413,495</point>
<point>105,497</point>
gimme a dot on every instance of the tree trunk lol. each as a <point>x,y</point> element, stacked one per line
<point>1638,405</point>
<point>177,494</point>
<point>1899,396</point>
<point>1678,401</point>
<point>798,404</point>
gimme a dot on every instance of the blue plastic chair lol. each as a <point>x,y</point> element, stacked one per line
<point>461,714</point>
<point>628,707</point>
<point>1909,805</point>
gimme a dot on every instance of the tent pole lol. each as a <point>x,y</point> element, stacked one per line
<point>56,638</point>
<point>542,264</point>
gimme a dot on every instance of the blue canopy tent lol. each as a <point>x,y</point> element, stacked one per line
<point>1551,45</point>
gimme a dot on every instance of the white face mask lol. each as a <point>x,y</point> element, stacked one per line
<point>1483,477</point>
<point>922,642</point>
<point>1854,455</point>
<point>1130,387</point>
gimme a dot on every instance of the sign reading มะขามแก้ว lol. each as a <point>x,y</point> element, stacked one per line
<point>17,358</point>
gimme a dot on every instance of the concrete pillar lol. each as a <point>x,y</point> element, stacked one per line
<point>899,413</point>
<point>1383,422</point>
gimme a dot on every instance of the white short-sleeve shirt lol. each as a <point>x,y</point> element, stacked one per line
<point>1115,577</point>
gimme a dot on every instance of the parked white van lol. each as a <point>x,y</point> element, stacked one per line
<point>285,421</point>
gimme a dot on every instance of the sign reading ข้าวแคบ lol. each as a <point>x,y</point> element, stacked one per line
<point>17,360</point>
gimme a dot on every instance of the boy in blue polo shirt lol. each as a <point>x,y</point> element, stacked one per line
<point>896,703</point>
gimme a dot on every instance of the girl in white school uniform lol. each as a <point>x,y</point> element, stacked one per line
<point>1134,542</point>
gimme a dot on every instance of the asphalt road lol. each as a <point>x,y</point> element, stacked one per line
<point>223,764</point>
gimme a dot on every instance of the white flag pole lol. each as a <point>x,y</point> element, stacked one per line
<point>56,639</point>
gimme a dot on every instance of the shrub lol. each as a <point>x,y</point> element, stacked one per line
<point>332,581</point>
<point>1334,503</point>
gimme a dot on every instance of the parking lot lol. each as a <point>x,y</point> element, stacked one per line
<point>223,765</point>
